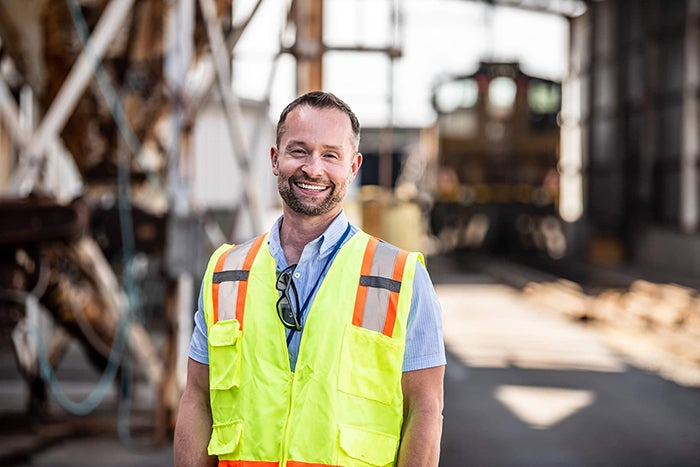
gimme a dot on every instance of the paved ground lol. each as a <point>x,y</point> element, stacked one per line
<point>63,440</point>
<point>524,387</point>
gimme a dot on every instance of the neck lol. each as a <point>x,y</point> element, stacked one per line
<point>296,231</point>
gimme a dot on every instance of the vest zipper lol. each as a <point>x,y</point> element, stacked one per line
<point>285,437</point>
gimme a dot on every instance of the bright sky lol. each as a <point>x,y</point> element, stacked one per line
<point>440,37</point>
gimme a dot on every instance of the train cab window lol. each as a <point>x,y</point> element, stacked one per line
<point>458,94</point>
<point>501,96</point>
<point>544,102</point>
<point>543,97</point>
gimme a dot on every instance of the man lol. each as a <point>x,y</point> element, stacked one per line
<point>315,344</point>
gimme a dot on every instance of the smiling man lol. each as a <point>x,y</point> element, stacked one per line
<point>315,344</point>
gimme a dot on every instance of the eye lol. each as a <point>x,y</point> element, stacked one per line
<point>297,152</point>
<point>330,155</point>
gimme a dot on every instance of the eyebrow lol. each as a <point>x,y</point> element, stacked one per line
<point>304,144</point>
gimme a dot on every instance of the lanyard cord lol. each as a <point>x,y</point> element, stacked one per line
<point>318,281</point>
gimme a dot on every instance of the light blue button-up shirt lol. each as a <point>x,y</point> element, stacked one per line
<point>424,343</point>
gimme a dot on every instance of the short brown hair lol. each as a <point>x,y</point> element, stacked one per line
<point>319,100</point>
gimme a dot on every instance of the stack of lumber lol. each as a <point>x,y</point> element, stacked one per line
<point>669,313</point>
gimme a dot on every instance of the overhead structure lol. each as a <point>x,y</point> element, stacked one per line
<point>570,8</point>
<point>308,47</point>
<point>98,102</point>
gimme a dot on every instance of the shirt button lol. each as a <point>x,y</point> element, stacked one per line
<point>297,275</point>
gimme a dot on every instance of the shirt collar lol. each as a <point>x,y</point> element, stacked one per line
<point>333,232</point>
<point>327,240</point>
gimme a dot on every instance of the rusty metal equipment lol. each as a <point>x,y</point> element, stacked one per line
<point>93,84</point>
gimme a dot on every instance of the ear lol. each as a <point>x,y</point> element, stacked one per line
<point>274,160</point>
<point>355,166</point>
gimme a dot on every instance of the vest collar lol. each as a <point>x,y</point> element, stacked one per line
<point>321,246</point>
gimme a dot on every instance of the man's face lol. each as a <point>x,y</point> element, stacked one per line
<point>316,160</point>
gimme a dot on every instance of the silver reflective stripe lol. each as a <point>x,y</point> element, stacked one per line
<point>379,286</point>
<point>229,278</point>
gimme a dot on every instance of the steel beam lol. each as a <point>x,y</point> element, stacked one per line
<point>72,89</point>
<point>308,47</point>
<point>208,80</point>
<point>9,112</point>
<point>232,107</point>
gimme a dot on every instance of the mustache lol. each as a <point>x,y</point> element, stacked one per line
<point>303,178</point>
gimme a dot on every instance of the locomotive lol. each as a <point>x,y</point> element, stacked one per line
<point>496,178</point>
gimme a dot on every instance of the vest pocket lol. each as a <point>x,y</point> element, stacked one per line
<point>225,438</point>
<point>369,447</point>
<point>224,354</point>
<point>370,364</point>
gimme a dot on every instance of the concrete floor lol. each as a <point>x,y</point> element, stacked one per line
<point>524,386</point>
<point>528,387</point>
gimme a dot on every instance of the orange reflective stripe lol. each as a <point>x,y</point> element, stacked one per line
<point>382,270</point>
<point>394,296</point>
<point>239,463</point>
<point>308,464</point>
<point>243,286</point>
<point>362,290</point>
<point>215,286</point>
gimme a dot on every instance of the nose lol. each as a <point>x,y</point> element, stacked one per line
<point>313,166</point>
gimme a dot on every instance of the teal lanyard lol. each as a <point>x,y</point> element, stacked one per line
<point>306,304</point>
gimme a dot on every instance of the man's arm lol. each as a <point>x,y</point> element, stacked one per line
<point>422,425</point>
<point>193,426</point>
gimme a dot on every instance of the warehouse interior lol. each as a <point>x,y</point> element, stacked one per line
<point>128,154</point>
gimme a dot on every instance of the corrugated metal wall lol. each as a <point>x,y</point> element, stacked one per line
<point>628,60</point>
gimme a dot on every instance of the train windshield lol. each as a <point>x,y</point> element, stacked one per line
<point>458,94</point>
<point>543,97</point>
<point>544,102</point>
<point>501,98</point>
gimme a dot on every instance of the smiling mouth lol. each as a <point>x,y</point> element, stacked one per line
<point>311,187</point>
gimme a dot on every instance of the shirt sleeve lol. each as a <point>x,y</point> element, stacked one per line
<point>425,347</point>
<point>199,349</point>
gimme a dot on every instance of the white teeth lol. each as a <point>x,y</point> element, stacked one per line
<point>311,187</point>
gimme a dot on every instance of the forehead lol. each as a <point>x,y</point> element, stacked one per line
<point>311,124</point>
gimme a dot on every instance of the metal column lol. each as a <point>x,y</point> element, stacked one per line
<point>690,145</point>
<point>308,47</point>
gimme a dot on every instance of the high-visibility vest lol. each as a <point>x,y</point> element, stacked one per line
<point>343,405</point>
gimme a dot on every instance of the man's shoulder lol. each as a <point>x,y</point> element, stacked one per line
<point>408,251</point>
<point>243,244</point>
<point>386,242</point>
<point>415,255</point>
<point>236,250</point>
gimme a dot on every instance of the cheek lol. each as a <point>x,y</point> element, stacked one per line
<point>281,168</point>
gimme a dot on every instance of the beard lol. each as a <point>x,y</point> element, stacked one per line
<point>316,207</point>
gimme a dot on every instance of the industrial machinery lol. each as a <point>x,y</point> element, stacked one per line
<point>496,170</point>
<point>96,118</point>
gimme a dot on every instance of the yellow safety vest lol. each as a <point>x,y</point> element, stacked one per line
<point>343,405</point>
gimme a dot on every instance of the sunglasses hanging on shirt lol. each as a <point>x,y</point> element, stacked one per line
<point>286,312</point>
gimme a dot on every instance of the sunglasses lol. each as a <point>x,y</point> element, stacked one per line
<point>285,311</point>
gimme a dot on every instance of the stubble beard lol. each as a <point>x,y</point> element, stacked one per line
<point>333,198</point>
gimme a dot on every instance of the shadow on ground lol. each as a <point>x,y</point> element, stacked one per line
<point>634,419</point>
